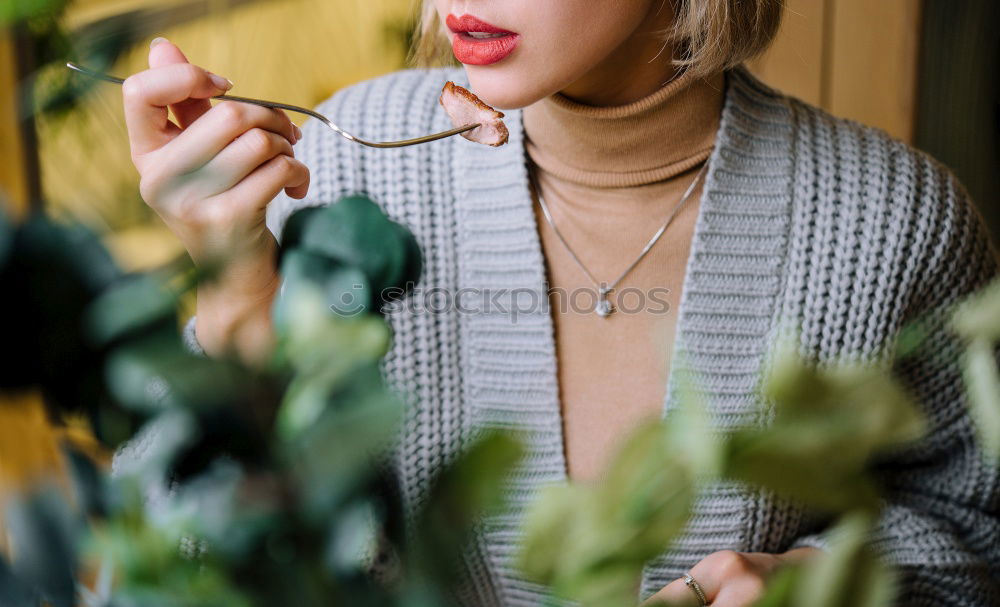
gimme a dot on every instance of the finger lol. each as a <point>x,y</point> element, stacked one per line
<point>147,94</point>
<point>163,52</point>
<point>241,157</point>
<point>711,574</point>
<point>674,594</point>
<point>707,575</point>
<point>220,126</point>
<point>262,185</point>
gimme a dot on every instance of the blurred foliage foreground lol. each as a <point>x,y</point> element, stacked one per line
<point>277,492</point>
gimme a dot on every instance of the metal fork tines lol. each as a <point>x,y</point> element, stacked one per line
<point>301,110</point>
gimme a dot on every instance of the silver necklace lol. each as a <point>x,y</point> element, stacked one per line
<point>603,307</point>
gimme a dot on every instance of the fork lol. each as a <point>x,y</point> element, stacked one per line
<point>301,110</point>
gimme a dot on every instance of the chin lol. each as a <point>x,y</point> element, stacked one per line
<point>502,87</point>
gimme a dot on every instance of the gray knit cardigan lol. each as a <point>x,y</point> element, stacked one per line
<point>804,216</point>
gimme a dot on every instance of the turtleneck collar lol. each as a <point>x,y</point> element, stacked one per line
<point>651,139</point>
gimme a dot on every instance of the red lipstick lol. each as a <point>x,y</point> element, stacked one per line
<point>476,42</point>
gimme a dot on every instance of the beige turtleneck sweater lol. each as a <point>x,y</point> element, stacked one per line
<point>611,176</point>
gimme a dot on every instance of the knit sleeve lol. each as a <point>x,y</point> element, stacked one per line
<point>190,339</point>
<point>940,522</point>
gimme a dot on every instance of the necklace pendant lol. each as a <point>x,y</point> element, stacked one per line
<point>603,307</point>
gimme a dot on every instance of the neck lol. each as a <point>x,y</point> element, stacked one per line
<point>638,67</point>
<point>651,139</point>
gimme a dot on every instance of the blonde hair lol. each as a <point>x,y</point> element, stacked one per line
<point>709,35</point>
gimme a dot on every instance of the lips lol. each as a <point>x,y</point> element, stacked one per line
<point>479,51</point>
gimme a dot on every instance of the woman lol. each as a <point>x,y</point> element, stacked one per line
<point>789,213</point>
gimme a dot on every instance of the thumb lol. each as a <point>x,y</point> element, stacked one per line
<point>163,52</point>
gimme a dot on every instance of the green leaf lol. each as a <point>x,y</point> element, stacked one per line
<point>346,291</point>
<point>850,575</point>
<point>136,375</point>
<point>323,350</point>
<point>978,316</point>
<point>788,381</point>
<point>354,232</point>
<point>325,356</point>
<point>353,538</point>
<point>983,384</point>
<point>225,510</point>
<point>174,430</point>
<point>815,477</point>
<point>138,302</point>
<point>548,531</point>
<point>57,270</point>
<point>44,535</point>
<point>157,557</point>
<point>644,499</point>
<point>780,591</point>
<point>158,373</point>
<point>828,423</point>
<point>590,542</point>
<point>14,592</point>
<point>412,263</point>
<point>12,11</point>
<point>338,452</point>
<point>690,435</point>
<point>89,483</point>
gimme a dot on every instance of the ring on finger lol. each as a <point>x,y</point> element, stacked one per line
<point>696,588</point>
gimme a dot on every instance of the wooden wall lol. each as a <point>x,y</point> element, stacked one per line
<point>856,58</point>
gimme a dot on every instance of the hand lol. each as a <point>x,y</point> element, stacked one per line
<point>729,578</point>
<point>210,178</point>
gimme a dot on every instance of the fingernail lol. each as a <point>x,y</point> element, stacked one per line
<point>223,83</point>
<point>298,133</point>
<point>156,41</point>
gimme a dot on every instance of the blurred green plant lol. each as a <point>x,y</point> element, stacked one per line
<point>977,320</point>
<point>265,485</point>
<point>46,46</point>
<point>20,11</point>
<point>826,425</point>
<point>590,543</point>
<point>276,487</point>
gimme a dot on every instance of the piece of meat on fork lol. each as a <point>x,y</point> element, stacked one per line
<point>463,107</point>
